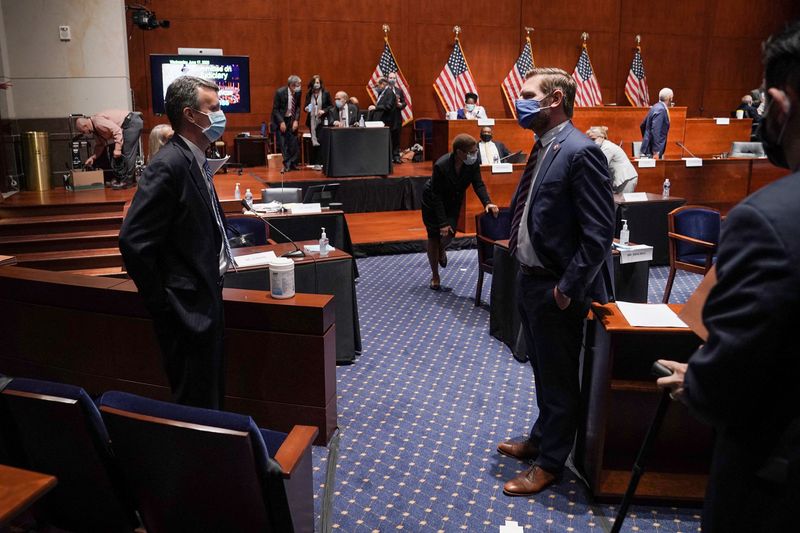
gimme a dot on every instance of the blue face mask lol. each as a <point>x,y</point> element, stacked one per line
<point>216,128</point>
<point>339,104</point>
<point>527,111</point>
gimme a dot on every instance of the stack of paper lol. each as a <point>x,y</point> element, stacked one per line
<point>650,315</point>
<point>251,260</point>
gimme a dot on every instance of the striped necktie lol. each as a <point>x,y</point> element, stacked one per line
<point>215,207</point>
<point>522,196</point>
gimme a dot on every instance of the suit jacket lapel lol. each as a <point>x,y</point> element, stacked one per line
<point>552,152</point>
<point>197,177</point>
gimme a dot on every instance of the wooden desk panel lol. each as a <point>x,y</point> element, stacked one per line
<point>19,489</point>
<point>719,183</point>
<point>501,188</point>
<point>763,173</point>
<point>704,138</point>
<point>280,354</point>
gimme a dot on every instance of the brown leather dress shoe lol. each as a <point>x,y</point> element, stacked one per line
<point>524,451</point>
<point>533,481</point>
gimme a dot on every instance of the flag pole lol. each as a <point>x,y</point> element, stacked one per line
<point>457,30</point>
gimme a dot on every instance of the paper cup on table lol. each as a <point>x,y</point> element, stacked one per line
<point>740,113</point>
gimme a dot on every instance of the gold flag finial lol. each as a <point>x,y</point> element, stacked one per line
<point>528,31</point>
<point>638,40</point>
<point>457,30</point>
<point>585,37</point>
<point>385,30</point>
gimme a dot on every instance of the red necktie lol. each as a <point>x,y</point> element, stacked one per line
<point>522,197</point>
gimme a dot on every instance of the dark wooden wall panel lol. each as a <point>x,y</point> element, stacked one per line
<point>708,51</point>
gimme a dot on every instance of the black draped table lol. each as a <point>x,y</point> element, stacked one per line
<point>356,152</point>
<point>630,285</point>
<point>647,222</point>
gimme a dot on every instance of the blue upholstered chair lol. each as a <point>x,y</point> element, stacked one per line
<point>489,230</point>
<point>246,231</point>
<point>423,134</point>
<point>192,469</point>
<point>59,432</point>
<point>693,239</point>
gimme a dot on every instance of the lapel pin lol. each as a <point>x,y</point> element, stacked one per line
<point>556,147</point>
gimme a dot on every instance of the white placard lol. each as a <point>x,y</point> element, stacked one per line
<point>303,208</point>
<point>646,162</point>
<point>374,124</point>
<point>502,168</point>
<point>315,248</point>
<point>650,315</point>
<point>693,161</point>
<point>723,121</point>
<point>251,260</point>
<point>635,254</point>
<point>306,136</point>
<point>485,122</point>
<point>634,196</point>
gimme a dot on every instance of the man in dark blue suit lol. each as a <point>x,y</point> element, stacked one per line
<point>655,126</point>
<point>285,121</point>
<point>174,246</point>
<point>561,232</point>
<point>743,381</point>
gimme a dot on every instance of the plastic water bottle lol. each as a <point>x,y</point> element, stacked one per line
<point>323,244</point>
<point>325,122</point>
<point>496,160</point>
<point>248,197</point>
<point>624,234</point>
<point>237,193</point>
<point>361,123</point>
<point>665,189</point>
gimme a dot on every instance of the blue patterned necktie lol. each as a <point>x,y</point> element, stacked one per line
<point>522,196</point>
<point>213,193</point>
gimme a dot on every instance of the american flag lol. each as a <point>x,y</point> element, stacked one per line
<point>455,80</point>
<point>588,93</point>
<point>512,85</point>
<point>387,65</point>
<point>636,86</point>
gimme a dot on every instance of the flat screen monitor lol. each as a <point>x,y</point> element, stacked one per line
<point>230,73</point>
<point>322,194</point>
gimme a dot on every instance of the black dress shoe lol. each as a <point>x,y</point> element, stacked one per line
<point>397,161</point>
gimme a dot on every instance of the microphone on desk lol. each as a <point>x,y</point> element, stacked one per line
<point>684,147</point>
<point>509,156</point>
<point>297,252</point>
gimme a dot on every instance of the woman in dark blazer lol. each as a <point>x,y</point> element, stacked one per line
<point>318,101</point>
<point>444,195</point>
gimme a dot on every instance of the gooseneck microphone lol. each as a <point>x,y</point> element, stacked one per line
<point>684,147</point>
<point>297,252</point>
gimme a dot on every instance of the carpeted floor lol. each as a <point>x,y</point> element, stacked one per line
<point>422,410</point>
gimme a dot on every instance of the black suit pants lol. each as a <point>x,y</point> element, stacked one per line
<point>288,143</point>
<point>554,338</point>
<point>194,363</point>
<point>395,131</point>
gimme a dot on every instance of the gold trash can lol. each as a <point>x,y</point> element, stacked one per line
<point>36,149</point>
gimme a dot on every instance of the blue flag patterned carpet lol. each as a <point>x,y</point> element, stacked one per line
<point>423,408</point>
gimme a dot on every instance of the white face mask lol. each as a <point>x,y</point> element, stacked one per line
<point>598,140</point>
<point>472,158</point>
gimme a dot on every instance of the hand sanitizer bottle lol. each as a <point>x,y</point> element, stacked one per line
<point>237,193</point>
<point>323,244</point>
<point>665,189</point>
<point>248,196</point>
<point>624,234</point>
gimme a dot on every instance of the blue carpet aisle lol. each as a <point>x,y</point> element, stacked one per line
<point>422,410</point>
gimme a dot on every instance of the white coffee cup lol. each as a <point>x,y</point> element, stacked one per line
<point>740,113</point>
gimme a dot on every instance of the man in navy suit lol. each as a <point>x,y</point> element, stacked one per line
<point>174,246</point>
<point>561,232</point>
<point>655,126</point>
<point>743,381</point>
<point>285,120</point>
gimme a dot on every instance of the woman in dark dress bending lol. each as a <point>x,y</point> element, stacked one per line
<point>444,195</point>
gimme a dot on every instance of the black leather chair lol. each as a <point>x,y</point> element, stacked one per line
<point>59,432</point>
<point>246,231</point>
<point>192,469</point>
<point>423,134</point>
<point>489,230</point>
<point>693,232</point>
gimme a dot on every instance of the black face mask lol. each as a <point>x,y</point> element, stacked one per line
<point>486,137</point>
<point>772,147</point>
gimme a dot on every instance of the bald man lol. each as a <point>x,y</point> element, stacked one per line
<point>120,129</point>
<point>343,113</point>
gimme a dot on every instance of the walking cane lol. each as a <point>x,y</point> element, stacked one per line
<point>660,371</point>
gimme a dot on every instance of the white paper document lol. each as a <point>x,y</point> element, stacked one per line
<point>650,315</point>
<point>646,162</point>
<point>722,121</point>
<point>216,164</point>
<point>693,161</point>
<point>315,248</point>
<point>250,260</point>
<point>303,208</point>
<point>502,168</point>
<point>634,196</point>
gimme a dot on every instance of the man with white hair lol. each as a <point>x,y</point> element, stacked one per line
<point>285,120</point>
<point>655,126</point>
<point>748,109</point>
